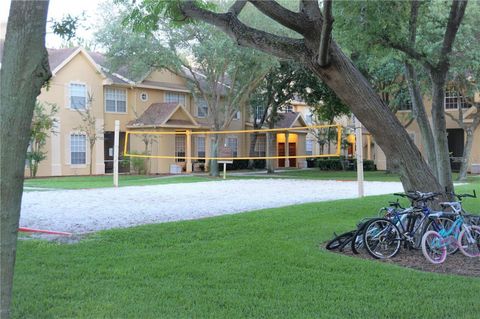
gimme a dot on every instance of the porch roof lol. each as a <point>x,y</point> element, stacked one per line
<point>162,115</point>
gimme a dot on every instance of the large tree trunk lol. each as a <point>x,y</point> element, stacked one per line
<point>253,142</point>
<point>214,151</point>
<point>440,128</point>
<point>24,70</point>
<point>467,152</point>
<point>355,91</point>
<point>420,115</point>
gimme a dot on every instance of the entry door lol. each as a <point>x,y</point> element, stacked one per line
<point>108,142</point>
<point>281,152</point>
<point>456,140</point>
<point>292,151</point>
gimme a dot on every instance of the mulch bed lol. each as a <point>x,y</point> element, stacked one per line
<point>457,263</point>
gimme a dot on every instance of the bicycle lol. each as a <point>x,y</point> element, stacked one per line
<point>382,237</point>
<point>461,235</point>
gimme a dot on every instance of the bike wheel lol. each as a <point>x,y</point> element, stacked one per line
<point>381,238</point>
<point>469,241</point>
<point>442,223</point>
<point>433,247</point>
<point>339,241</point>
<point>357,241</point>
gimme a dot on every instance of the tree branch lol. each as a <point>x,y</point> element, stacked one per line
<point>457,10</point>
<point>237,7</point>
<point>282,47</point>
<point>413,22</point>
<point>292,20</point>
<point>311,9</point>
<point>409,51</point>
<point>327,24</point>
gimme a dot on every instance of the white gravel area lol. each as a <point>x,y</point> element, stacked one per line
<point>89,210</point>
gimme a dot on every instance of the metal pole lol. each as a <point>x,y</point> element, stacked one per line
<point>115,153</point>
<point>224,170</point>
<point>359,156</point>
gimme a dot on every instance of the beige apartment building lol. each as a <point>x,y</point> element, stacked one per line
<point>160,102</point>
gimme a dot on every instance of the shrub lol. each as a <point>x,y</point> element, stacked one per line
<point>138,164</point>
<point>243,164</point>
<point>337,164</point>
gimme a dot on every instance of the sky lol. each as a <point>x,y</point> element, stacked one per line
<point>58,9</point>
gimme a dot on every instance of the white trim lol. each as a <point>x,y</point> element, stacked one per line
<point>144,86</point>
<point>146,99</point>
<point>184,110</point>
<point>74,54</point>
<point>56,148</point>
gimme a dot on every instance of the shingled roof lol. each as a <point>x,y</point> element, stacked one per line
<point>159,114</point>
<point>286,120</point>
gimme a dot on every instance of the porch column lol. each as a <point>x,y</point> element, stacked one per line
<point>287,150</point>
<point>369,150</point>
<point>188,167</point>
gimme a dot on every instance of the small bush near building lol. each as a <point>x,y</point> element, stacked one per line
<point>338,164</point>
<point>139,165</point>
<point>243,164</point>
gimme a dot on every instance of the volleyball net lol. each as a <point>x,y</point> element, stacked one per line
<point>302,142</point>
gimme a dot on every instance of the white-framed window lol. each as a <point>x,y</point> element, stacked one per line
<point>288,108</point>
<point>78,96</point>
<point>115,100</point>
<point>202,107</point>
<point>260,146</point>
<point>232,143</point>
<point>454,100</point>
<point>175,97</point>
<point>180,148</point>
<point>200,146</point>
<point>309,147</point>
<point>78,149</point>
<point>237,115</point>
<point>259,112</point>
<point>144,96</point>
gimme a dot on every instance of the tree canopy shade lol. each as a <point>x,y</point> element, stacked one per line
<point>338,71</point>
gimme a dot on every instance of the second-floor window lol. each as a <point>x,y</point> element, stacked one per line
<point>78,149</point>
<point>232,144</point>
<point>115,100</point>
<point>454,100</point>
<point>174,97</point>
<point>202,107</point>
<point>78,96</point>
<point>288,108</point>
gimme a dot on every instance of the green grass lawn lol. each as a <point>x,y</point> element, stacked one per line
<point>340,175</point>
<point>263,264</point>
<point>77,182</point>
